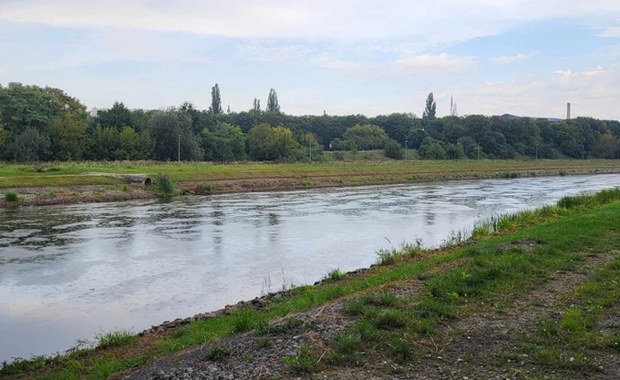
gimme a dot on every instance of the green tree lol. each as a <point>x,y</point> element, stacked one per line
<point>226,142</point>
<point>31,145</point>
<point>432,149</point>
<point>170,129</point>
<point>256,141</point>
<point>365,137</point>
<point>128,145</point>
<point>272,102</point>
<point>280,144</point>
<point>430,108</point>
<point>256,106</point>
<point>216,100</point>
<point>393,149</point>
<point>116,117</point>
<point>312,147</point>
<point>68,137</point>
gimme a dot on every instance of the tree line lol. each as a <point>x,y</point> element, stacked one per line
<point>43,123</point>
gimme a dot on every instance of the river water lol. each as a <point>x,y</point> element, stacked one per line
<point>72,272</point>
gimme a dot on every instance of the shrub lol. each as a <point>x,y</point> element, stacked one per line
<point>11,197</point>
<point>163,186</point>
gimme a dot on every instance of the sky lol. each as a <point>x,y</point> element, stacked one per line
<point>370,57</point>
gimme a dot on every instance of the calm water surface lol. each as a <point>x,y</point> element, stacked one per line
<point>70,272</point>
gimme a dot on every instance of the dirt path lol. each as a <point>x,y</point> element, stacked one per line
<point>473,347</point>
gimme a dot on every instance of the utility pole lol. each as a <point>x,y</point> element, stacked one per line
<point>406,143</point>
<point>478,152</point>
<point>179,147</point>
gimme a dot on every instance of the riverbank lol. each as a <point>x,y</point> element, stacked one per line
<point>531,295</point>
<point>65,183</point>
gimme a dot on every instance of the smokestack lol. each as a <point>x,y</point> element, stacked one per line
<point>568,111</point>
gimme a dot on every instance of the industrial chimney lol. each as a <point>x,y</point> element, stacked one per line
<point>568,111</point>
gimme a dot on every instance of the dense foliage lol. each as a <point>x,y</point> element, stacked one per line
<point>47,124</point>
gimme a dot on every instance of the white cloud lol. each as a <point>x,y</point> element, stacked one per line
<point>613,31</point>
<point>436,63</point>
<point>329,62</point>
<point>268,51</point>
<point>441,21</point>
<point>509,59</point>
<point>592,93</point>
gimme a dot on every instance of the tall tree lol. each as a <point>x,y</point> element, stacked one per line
<point>256,105</point>
<point>216,100</point>
<point>272,101</point>
<point>453,111</point>
<point>431,108</point>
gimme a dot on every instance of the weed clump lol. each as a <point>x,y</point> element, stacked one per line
<point>11,197</point>
<point>244,320</point>
<point>303,363</point>
<point>334,275</point>
<point>115,339</point>
<point>205,187</point>
<point>217,353</point>
<point>164,188</point>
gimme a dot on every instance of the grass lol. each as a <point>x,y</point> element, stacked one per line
<point>334,275</point>
<point>164,188</point>
<point>456,282</point>
<point>115,339</point>
<point>11,196</point>
<point>75,173</point>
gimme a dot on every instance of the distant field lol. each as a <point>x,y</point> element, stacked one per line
<point>69,173</point>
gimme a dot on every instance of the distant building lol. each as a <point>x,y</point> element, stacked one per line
<point>93,112</point>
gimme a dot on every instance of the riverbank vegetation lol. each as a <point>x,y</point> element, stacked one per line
<point>44,124</point>
<point>532,294</point>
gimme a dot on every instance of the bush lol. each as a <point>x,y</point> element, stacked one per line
<point>393,149</point>
<point>11,197</point>
<point>164,186</point>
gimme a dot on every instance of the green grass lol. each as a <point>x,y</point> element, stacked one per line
<point>115,339</point>
<point>216,353</point>
<point>74,173</point>
<point>334,275</point>
<point>487,273</point>
<point>11,197</point>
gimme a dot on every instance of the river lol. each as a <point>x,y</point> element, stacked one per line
<point>71,272</point>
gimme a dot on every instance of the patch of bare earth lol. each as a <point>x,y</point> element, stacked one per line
<point>42,196</point>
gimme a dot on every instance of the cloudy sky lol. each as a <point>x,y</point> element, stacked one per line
<point>340,56</point>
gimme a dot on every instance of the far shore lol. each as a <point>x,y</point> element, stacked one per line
<point>70,183</point>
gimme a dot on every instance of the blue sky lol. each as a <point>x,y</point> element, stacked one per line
<point>349,56</point>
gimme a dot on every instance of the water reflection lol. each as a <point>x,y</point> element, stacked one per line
<point>77,270</point>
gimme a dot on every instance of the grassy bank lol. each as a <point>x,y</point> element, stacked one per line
<point>399,314</point>
<point>53,183</point>
<point>64,174</point>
